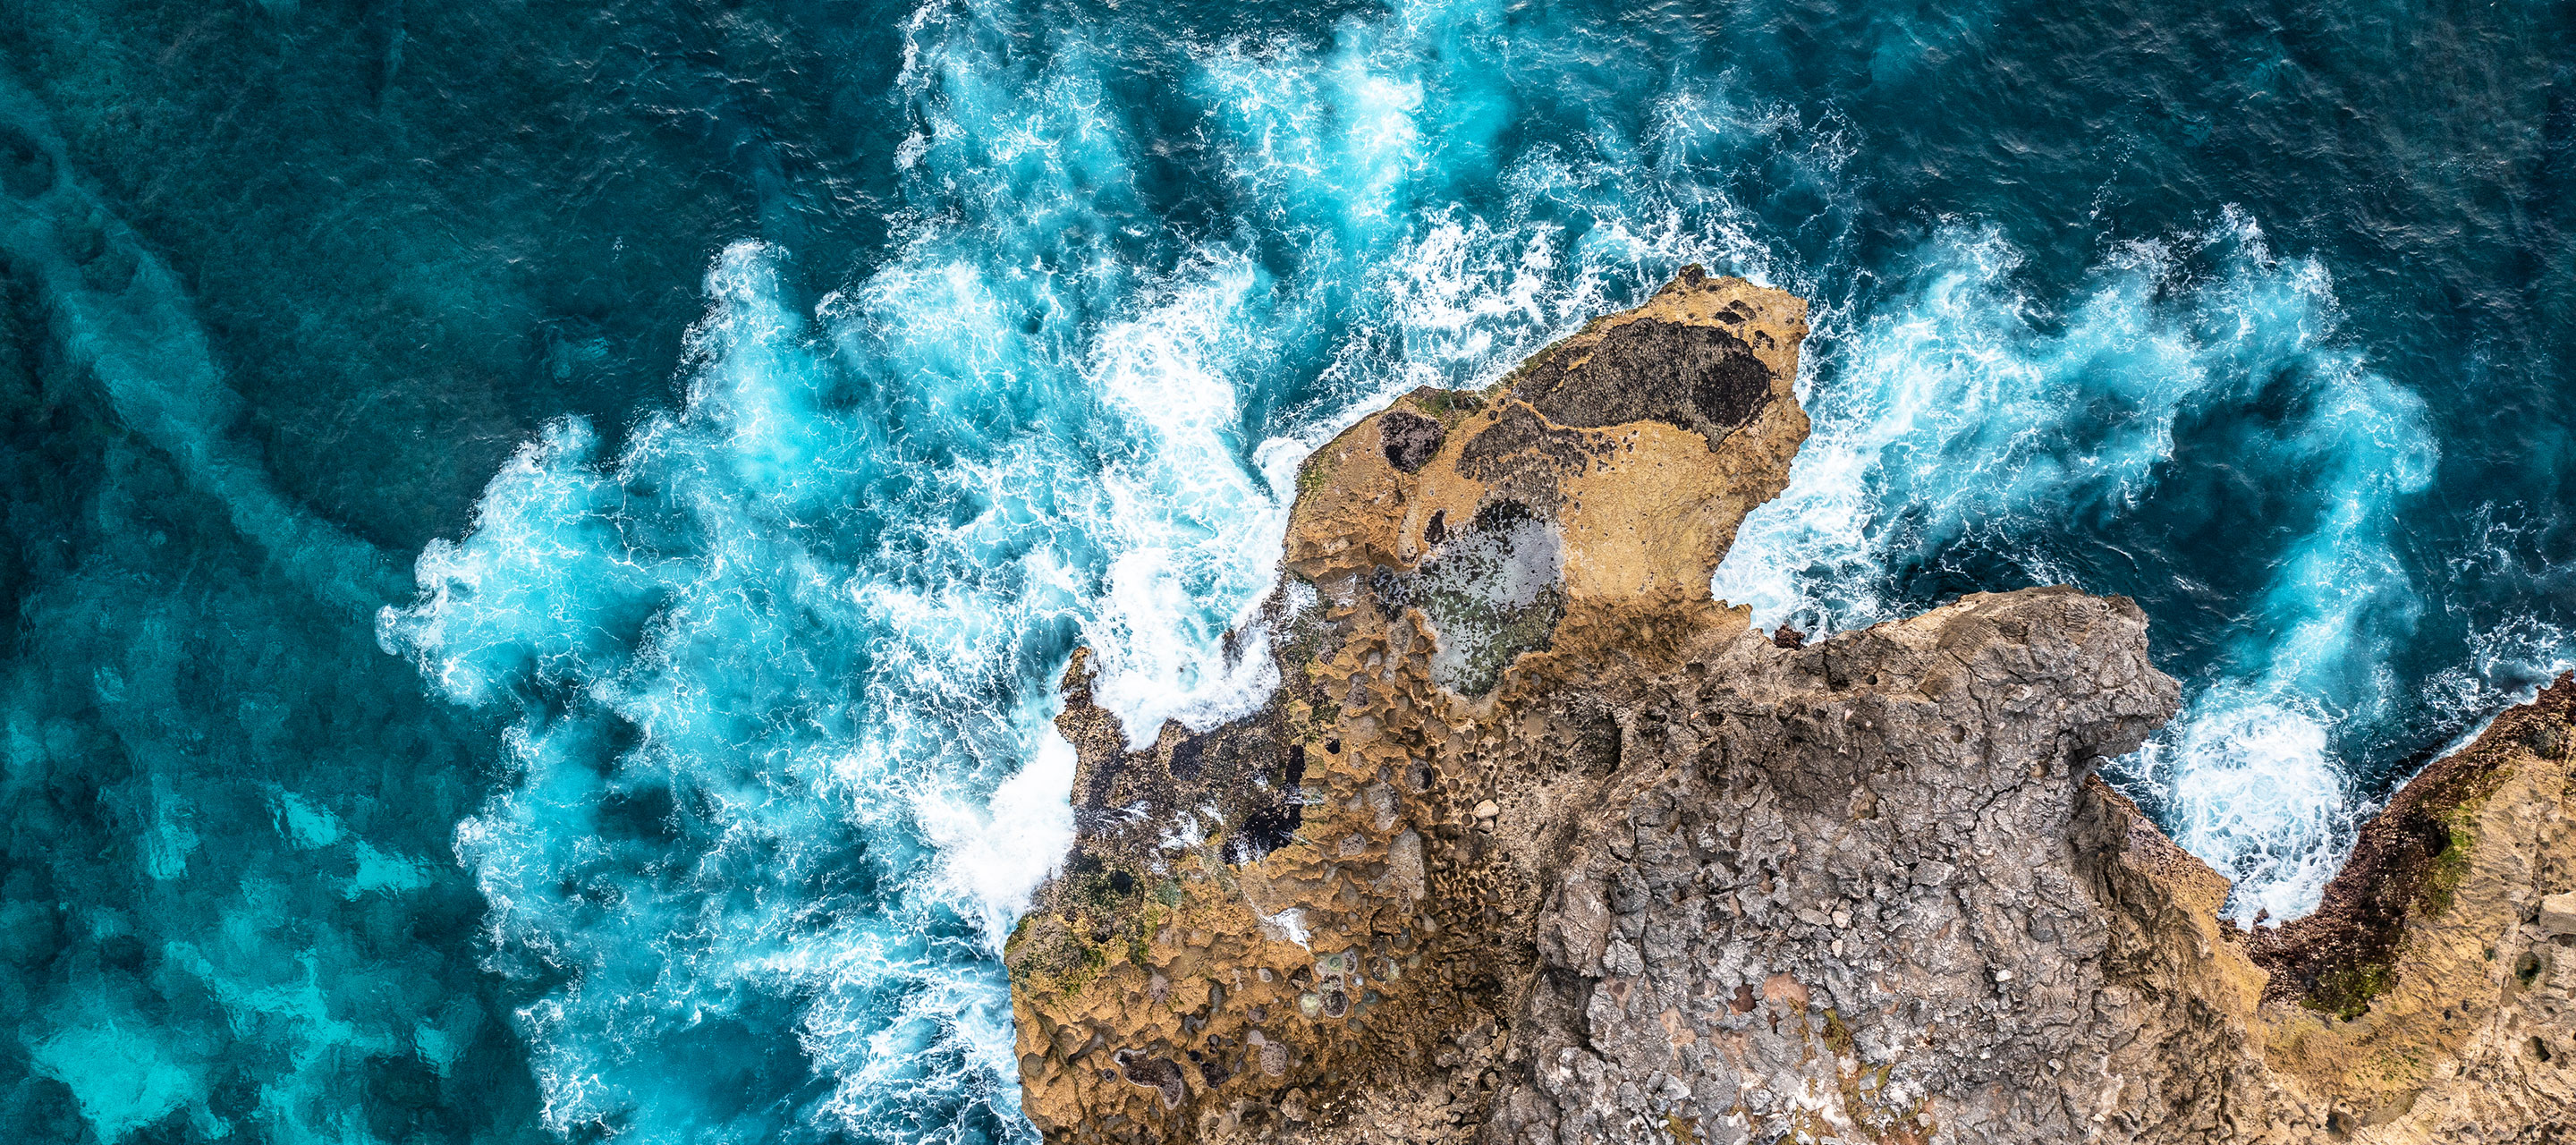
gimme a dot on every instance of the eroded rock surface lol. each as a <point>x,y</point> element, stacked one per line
<point>1538,843</point>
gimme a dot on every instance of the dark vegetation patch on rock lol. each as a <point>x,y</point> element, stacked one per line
<point>1409,439</point>
<point>2406,864</point>
<point>1699,378</point>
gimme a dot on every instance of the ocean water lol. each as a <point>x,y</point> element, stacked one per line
<point>541,536</point>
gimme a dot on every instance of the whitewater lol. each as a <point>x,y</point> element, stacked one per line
<point>811,619</point>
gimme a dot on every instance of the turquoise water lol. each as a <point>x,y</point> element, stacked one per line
<point>541,535</point>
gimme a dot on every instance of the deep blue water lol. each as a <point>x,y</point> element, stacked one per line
<point>539,535</point>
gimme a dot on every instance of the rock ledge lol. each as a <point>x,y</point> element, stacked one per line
<point>1537,843</point>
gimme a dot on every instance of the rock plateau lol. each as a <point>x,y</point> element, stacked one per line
<point>1538,843</point>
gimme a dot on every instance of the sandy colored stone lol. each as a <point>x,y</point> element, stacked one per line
<point>2558,914</point>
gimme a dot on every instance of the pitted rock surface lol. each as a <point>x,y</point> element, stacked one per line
<point>1772,924</point>
<point>1538,843</point>
<point>1410,439</point>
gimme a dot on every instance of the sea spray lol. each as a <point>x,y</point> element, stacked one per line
<point>779,667</point>
<point>741,750</point>
<point>407,242</point>
<point>1968,434</point>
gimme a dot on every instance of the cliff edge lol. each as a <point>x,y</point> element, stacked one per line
<point>1538,843</point>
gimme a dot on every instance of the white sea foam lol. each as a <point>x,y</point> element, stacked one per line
<point>2251,781</point>
<point>821,605</point>
<point>993,853</point>
<point>1965,413</point>
<point>1195,524</point>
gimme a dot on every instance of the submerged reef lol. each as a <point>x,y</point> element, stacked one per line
<point>1539,843</point>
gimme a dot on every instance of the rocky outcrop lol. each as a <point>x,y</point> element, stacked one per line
<point>2433,996</point>
<point>1539,843</point>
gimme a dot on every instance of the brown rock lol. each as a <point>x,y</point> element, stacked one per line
<point>1751,889</point>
